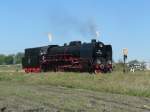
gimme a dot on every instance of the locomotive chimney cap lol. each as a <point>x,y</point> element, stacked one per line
<point>93,41</point>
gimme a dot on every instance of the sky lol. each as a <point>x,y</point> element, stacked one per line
<point>121,23</point>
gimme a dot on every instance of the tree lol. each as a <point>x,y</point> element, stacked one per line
<point>2,59</point>
<point>133,61</point>
<point>9,59</point>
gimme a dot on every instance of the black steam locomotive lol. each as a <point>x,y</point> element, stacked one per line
<point>77,57</point>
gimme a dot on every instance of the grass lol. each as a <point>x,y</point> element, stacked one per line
<point>10,68</point>
<point>68,92</point>
<point>134,84</point>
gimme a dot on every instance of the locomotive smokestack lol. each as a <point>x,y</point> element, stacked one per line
<point>93,41</point>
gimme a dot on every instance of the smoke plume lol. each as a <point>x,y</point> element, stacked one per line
<point>49,36</point>
<point>66,25</point>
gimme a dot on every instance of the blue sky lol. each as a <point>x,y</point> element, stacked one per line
<point>124,24</point>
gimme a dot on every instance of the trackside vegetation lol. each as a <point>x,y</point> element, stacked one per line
<point>134,84</point>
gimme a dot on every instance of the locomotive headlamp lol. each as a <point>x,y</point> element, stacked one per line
<point>100,45</point>
<point>41,53</point>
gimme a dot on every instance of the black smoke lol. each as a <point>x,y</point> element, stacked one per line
<point>66,24</point>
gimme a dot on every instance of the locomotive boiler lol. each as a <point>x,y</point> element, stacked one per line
<point>75,57</point>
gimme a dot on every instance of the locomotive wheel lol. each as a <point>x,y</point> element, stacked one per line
<point>43,68</point>
<point>55,69</point>
<point>97,72</point>
<point>60,69</point>
<point>26,71</point>
<point>90,70</point>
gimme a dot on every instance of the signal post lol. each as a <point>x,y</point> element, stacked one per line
<point>125,56</point>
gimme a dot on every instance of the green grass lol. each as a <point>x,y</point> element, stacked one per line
<point>10,68</point>
<point>134,84</point>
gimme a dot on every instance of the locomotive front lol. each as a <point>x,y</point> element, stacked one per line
<point>102,56</point>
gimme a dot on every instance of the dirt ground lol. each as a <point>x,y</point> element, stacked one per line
<point>16,97</point>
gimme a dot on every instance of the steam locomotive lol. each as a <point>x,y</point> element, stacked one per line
<point>93,57</point>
